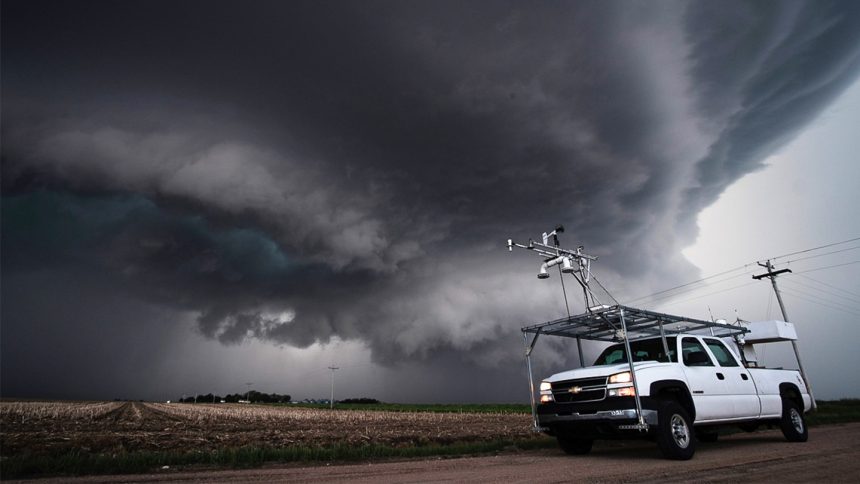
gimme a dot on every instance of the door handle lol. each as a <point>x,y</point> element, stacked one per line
<point>721,376</point>
<point>744,376</point>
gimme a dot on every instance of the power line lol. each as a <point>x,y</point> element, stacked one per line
<point>829,267</point>
<point>821,255</point>
<point>690,283</point>
<point>822,304</point>
<point>825,303</point>
<point>848,305</point>
<point>835,304</point>
<point>815,248</point>
<point>826,284</point>
<point>694,289</point>
<point>697,281</point>
<point>829,293</point>
<point>711,293</point>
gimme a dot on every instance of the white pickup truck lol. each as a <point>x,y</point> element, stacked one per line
<point>680,400</point>
<point>660,378</point>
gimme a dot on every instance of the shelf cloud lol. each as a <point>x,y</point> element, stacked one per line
<point>297,172</point>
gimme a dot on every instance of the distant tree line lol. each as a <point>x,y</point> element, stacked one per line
<point>360,400</point>
<point>252,396</point>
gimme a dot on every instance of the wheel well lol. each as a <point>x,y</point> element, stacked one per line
<point>674,390</point>
<point>791,392</point>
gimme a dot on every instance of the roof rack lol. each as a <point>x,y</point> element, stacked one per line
<point>603,323</point>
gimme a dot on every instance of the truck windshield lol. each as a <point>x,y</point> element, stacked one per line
<point>643,350</point>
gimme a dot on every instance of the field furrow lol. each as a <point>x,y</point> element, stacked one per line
<point>110,427</point>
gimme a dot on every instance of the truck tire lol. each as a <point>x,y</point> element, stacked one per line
<point>575,446</point>
<point>675,432</point>
<point>792,423</point>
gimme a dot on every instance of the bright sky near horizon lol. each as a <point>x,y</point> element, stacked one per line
<point>807,197</point>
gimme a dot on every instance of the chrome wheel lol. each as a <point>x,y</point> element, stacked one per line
<point>792,423</point>
<point>796,420</point>
<point>680,431</point>
<point>674,433</point>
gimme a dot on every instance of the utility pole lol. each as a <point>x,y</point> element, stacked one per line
<point>248,392</point>
<point>771,274</point>
<point>331,402</point>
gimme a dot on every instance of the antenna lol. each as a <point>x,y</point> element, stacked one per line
<point>712,319</point>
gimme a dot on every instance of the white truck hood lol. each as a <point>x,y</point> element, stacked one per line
<point>597,371</point>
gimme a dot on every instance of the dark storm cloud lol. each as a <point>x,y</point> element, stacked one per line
<point>295,171</point>
<point>760,85</point>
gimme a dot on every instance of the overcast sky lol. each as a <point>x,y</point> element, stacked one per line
<point>212,196</point>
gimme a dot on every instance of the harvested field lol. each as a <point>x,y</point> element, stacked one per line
<point>56,428</point>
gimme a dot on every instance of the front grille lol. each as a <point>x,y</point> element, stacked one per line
<point>586,390</point>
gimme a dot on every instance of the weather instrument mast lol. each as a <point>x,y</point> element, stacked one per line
<point>570,261</point>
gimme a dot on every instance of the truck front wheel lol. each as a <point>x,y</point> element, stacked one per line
<point>792,423</point>
<point>675,432</point>
<point>575,446</point>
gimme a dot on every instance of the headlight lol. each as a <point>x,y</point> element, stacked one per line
<point>545,386</point>
<point>622,392</point>
<point>624,377</point>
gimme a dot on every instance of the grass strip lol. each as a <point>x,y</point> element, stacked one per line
<point>835,411</point>
<point>80,463</point>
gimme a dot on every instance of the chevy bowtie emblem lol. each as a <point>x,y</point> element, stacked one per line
<point>575,389</point>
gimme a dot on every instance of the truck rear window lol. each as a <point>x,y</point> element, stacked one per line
<point>723,355</point>
<point>643,350</point>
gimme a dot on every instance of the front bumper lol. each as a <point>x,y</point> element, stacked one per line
<point>618,416</point>
<point>604,419</point>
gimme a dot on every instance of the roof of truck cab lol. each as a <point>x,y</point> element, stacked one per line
<point>604,323</point>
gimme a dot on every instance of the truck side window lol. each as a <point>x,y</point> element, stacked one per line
<point>721,353</point>
<point>694,353</point>
<point>616,356</point>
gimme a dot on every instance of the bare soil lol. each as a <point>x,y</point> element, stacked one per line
<point>50,428</point>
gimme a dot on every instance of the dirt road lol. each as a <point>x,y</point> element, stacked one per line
<point>831,455</point>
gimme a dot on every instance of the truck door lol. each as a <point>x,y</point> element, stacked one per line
<point>709,390</point>
<point>739,383</point>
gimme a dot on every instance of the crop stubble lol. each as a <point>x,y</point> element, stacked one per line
<point>53,428</point>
